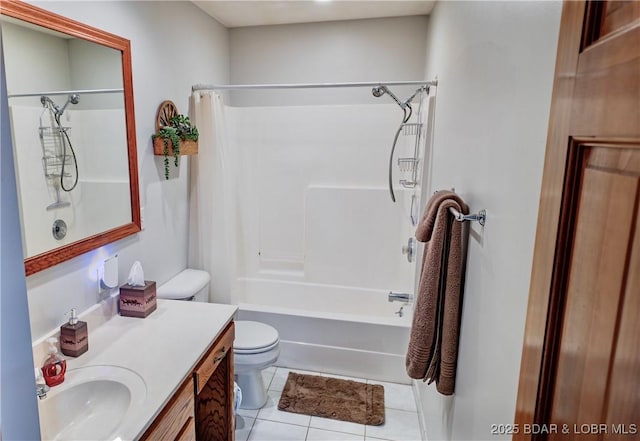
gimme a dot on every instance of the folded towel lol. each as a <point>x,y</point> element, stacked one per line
<point>433,343</point>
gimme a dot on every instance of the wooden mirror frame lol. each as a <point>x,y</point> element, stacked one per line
<point>49,20</point>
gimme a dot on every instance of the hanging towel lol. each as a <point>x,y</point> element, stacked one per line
<point>433,343</point>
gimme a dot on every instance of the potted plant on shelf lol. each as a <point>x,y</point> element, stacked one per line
<point>175,135</point>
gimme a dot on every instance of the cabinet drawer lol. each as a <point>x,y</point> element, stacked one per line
<point>175,415</point>
<point>214,356</point>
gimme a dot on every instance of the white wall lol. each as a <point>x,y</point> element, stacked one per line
<point>19,411</point>
<point>495,63</point>
<point>313,202</point>
<point>198,50</point>
<point>95,67</point>
<point>35,60</point>
<point>386,49</point>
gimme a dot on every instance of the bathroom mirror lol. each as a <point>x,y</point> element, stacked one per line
<point>71,109</point>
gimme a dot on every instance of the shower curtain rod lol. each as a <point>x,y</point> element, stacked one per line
<point>198,87</point>
<point>65,92</point>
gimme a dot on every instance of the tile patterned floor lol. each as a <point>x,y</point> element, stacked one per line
<point>271,424</point>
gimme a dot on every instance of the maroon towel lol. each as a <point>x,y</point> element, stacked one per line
<point>433,343</point>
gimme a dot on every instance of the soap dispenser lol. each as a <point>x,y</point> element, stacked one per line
<point>74,336</point>
<point>54,366</point>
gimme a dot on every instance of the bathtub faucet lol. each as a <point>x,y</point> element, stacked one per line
<point>400,297</point>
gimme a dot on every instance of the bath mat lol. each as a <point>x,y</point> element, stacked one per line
<point>343,400</point>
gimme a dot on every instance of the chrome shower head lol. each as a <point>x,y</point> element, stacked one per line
<point>46,101</point>
<point>378,91</point>
<point>73,99</point>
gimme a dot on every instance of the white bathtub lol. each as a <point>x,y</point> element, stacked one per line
<point>329,328</point>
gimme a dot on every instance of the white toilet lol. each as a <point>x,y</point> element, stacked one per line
<point>190,284</point>
<point>256,345</point>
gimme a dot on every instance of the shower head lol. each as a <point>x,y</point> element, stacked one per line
<point>73,99</point>
<point>46,101</point>
<point>380,90</point>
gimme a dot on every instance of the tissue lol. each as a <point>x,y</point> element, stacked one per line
<point>136,275</point>
<point>137,297</point>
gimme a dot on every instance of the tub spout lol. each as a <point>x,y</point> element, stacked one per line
<point>400,297</point>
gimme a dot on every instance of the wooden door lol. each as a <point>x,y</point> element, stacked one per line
<point>580,371</point>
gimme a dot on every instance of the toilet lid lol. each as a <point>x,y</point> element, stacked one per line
<point>251,336</point>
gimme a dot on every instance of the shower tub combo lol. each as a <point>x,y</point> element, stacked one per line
<point>315,235</point>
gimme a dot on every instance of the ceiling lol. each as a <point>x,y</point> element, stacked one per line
<point>239,13</point>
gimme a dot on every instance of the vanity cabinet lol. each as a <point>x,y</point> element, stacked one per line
<point>213,380</point>
<point>202,408</point>
<point>176,418</point>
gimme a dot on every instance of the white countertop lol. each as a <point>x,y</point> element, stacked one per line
<point>162,348</point>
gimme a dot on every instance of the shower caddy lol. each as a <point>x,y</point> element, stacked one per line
<point>410,164</point>
<point>51,140</point>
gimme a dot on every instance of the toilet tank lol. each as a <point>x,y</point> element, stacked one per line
<point>189,284</point>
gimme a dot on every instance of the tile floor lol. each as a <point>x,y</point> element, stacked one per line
<point>271,424</point>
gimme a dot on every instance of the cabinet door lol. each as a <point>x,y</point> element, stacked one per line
<point>214,391</point>
<point>172,422</point>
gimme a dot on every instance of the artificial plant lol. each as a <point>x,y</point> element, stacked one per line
<point>179,129</point>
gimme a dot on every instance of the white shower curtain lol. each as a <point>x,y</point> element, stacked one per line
<point>211,198</point>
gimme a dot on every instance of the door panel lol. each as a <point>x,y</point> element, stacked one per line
<point>605,100</point>
<point>623,404</point>
<point>581,353</point>
<point>607,212</point>
<point>618,14</point>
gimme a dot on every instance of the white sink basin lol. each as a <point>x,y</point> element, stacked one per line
<point>93,403</point>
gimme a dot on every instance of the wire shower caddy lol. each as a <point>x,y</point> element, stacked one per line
<point>52,140</point>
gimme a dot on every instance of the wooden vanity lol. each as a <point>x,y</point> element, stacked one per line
<point>202,408</point>
<point>182,353</point>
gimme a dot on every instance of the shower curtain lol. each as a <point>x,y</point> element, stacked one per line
<point>211,200</point>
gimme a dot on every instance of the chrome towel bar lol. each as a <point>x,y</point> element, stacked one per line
<point>480,216</point>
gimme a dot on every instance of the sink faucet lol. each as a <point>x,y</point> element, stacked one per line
<point>41,391</point>
<point>41,386</point>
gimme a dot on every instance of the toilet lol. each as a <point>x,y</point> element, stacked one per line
<point>190,284</point>
<point>256,345</point>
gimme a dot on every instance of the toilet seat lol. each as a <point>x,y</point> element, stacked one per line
<point>256,350</point>
<point>254,337</point>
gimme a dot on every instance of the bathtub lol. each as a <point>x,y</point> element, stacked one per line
<point>330,328</point>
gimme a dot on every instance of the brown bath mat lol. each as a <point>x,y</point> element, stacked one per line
<point>343,400</point>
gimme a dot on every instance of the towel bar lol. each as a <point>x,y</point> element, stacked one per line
<point>480,216</point>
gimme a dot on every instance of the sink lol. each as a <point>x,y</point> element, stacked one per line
<point>93,403</point>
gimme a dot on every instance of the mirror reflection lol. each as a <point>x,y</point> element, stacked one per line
<point>67,112</point>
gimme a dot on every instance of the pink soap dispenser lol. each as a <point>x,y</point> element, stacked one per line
<point>54,366</point>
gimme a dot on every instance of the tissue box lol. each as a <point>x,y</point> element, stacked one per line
<point>138,301</point>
